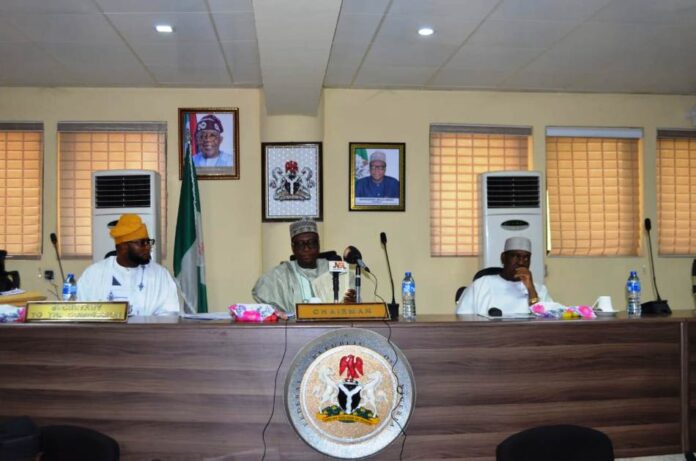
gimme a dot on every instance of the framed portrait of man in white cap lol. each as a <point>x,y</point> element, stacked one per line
<point>211,137</point>
<point>377,176</point>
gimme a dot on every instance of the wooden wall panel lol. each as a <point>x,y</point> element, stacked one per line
<point>195,391</point>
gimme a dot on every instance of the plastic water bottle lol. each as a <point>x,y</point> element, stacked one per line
<point>633,294</point>
<point>408,297</point>
<point>70,288</point>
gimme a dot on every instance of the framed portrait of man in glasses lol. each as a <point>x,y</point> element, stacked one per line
<point>377,176</point>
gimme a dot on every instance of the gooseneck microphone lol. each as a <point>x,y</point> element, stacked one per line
<point>660,306</point>
<point>352,255</point>
<point>54,241</point>
<point>393,306</point>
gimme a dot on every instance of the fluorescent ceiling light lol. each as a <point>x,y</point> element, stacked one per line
<point>164,28</point>
<point>425,31</point>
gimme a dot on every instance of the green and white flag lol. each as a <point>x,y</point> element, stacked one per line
<point>189,254</point>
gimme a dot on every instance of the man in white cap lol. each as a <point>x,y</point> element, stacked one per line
<point>131,275</point>
<point>512,291</point>
<point>377,184</point>
<point>208,139</point>
<point>305,280</point>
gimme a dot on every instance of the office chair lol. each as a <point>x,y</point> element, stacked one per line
<point>8,279</point>
<point>322,255</point>
<point>479,274</point>
<point>555,443</point>
<point>19,439</point>
<point>74,443</point>
<point>488,271</point>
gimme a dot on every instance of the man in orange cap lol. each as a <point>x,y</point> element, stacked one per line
<point>131,275</point>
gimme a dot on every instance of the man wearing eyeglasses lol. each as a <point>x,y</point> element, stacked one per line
<point>131,275</point>
<point>305,280</point>
<point>378,184</point>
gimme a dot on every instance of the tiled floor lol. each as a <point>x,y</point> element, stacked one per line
<point>678,457</point>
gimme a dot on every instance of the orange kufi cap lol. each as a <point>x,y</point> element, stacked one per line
<point>129,227</point>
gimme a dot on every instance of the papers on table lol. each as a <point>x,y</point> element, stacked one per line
<point>208,316</point>
<point>513,316</point>
<point>14,291</point>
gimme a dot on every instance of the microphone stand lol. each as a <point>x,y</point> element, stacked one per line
<point>335,287</point>
<point>393,306</point>
<point>358,299</point>
<point>659,306</point>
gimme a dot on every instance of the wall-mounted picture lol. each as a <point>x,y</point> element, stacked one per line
<point>377,176</point>
<point>292,182</point>
<point>212,135</point>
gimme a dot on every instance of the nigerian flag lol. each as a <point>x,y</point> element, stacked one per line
<point>189,261</point>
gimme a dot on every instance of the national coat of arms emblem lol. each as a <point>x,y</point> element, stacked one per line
<point>292,184</point>
<point>349,393</point>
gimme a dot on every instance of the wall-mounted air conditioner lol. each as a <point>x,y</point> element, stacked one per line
<point>511,204</point>
<point>116,192</point>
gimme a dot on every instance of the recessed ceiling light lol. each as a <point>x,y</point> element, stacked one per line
<point>164,28</point>
<point>425,31</point>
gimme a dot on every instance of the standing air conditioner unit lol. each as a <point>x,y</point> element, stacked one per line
<point>116,192</point>
<point>511,207</point>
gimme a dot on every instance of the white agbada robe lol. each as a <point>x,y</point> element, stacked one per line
<point>494,291</point>
<point>288,284</point>
<point>148,288</point>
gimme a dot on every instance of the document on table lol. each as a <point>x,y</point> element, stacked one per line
<point>513,316</point>
<point>208,316</point>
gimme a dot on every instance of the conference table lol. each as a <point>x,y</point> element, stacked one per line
<point>192,390</point>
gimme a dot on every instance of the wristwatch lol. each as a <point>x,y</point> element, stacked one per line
<point>533,301</point>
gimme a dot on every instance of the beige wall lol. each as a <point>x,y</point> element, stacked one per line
<point>239,246</point>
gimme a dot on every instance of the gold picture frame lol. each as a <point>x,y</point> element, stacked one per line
<point>215,156</point>
<point>377,178</point>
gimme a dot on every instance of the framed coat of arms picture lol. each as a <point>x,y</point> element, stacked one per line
<point>292,182</point>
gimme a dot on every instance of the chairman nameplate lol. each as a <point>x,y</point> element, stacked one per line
<point>77,311</point>
<point>347,311</point>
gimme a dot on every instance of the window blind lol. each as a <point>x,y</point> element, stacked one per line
<point>21,186</point>
<point>88,147</point>
<point>676,192</point>
<point>593,195</point>
<point>458,154</point>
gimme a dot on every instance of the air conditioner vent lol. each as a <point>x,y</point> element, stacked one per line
<point>126,191</point>
<point>513,192</point>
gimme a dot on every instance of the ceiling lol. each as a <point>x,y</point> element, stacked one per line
<point>294,48</point>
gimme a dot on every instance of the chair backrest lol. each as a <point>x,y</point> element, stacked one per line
<point>479,274</point>
<point>459,292</point>
<point>59,443</point>
<point>19,439</point>
<point>322,255</point>
<point>488,271</point>
<point>554,443</point>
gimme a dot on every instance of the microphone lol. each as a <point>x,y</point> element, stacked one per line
<point>659,306</point>
<point>393,306</point>
<point>54,241</point>
<point>352,255</point>
<point>336,267</point>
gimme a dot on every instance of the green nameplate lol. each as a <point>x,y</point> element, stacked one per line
<point>77,311</point>
<point>344,311</point>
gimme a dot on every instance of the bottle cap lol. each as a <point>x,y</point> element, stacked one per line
<point>408,274</point>
<point>634,273</point>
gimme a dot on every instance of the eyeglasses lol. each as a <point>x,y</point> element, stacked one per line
<point>143,242</point>
<point>378,167</point>
<point>306,244</point>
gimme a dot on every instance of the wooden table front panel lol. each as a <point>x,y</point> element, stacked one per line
<point>202,391</point>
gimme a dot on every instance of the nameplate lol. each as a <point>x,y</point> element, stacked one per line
<point>77,311</point>
<point>347,311</point>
